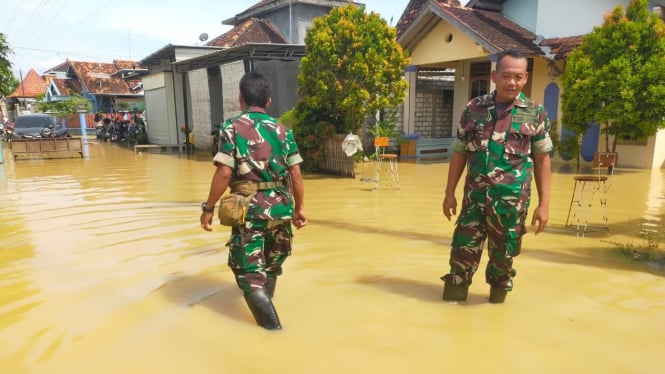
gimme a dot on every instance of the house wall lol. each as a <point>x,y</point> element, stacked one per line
<point>200,107</point>
<point>539,78</point>
<point>434,104</point>
<point>161,89</point>
<point>659,154</point>
<point>434,48</point>
<point>544,17</point>
<point>283,76</point>
<point>293,23</point>
<point>649,156</point>
<point>231,74</point>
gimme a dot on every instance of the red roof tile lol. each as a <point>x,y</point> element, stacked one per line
<point>490,27</point>
<point>67,86</point>
<point>561,47</point>
<point>31,86</point>
<point>98,78</point>
<point>251,31</point>
<point>411,12</point>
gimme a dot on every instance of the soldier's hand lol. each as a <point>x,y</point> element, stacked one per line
<point>449,206</point>
<point>206,221</point>
<point>540,217</point>
<point>300,219</point>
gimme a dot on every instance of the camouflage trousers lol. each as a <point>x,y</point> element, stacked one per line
<point>504,241</point>
<point>257,251</point>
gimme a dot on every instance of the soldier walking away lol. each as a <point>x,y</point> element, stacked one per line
<point>503,137</point>
<point>259,156</point>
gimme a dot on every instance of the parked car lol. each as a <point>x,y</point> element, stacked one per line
<point>38,126</point>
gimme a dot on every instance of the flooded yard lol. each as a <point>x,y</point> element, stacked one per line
<point>104,269</point>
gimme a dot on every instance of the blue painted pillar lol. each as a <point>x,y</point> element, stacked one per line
<point>84,137</point>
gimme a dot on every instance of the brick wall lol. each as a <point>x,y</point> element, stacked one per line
<point>434,109</point>
<point>200,108</point>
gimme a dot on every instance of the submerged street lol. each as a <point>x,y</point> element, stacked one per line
<point>104,269</point>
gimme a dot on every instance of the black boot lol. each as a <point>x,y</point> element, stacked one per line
<point>271,283</point>
<point>264,312</point>
<point>497,295</point>
<point>452,292</point>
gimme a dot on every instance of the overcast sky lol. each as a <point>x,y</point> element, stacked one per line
<point>44,33</point>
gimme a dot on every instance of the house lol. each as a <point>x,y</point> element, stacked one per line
<point>108,86</point>
<point>445,35</point>
<point>24,98</point>
<point>197,87</point>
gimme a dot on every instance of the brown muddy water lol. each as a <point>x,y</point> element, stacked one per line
<point>104,269</point>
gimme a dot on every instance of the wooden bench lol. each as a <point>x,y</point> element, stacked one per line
<point>429,148</point>
<point>46,145</point>
<point>161,147</point>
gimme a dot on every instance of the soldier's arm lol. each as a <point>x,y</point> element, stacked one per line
<point>455,170</point>
<point>542,170</point>
<point>299,216</point>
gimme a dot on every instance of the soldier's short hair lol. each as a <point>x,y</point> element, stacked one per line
<point>255,89</point>
<point>514,53</point>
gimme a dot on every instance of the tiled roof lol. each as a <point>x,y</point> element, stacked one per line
<point>251,31</point>
<point>495,29</point>
<point>127,65</point>
<point>411,12</point>
<point>67,86</point>
<point>31,86</point>
<point>561,47</point>
<point>490,28</point>
<point>264,3</point>
<point>97,78</point>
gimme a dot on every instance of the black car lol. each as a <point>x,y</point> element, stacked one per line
<point>38,126</point>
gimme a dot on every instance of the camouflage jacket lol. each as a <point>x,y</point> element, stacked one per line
<point>260,149</point>
<point>499,148</point>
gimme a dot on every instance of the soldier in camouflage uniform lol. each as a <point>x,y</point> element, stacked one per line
<point>502,138</point>
<point>254,148</point>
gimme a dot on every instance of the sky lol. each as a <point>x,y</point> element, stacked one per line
<point>44,33</point>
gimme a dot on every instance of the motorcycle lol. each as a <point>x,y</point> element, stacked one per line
<point>9,131</point>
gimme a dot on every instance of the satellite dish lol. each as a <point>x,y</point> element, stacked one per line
<point>203,37</point>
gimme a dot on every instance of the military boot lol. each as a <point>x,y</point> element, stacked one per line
<point>271,283</point>
<point>264,312</point>
<point>452,292</point>
<point>497,295</point>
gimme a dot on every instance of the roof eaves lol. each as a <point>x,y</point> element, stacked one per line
<point>465,28</point>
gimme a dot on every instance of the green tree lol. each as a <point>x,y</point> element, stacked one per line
<point>8,82</point>
<point>70,106</point>
<point>616,77</point>
<point>353,68</point>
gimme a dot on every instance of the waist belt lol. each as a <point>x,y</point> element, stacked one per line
<point>248,187</point>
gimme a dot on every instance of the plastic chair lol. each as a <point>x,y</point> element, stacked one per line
<point>599,184</point>
<point>381,143</point>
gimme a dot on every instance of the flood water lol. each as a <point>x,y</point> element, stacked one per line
<point>104,269</point>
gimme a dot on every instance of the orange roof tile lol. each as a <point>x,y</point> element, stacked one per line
<point>561,47</point>
<point>251,31</point>
<point>31,86</point>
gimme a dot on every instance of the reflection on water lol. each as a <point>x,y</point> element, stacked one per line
<point>104,268</point>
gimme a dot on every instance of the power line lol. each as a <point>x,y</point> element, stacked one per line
<point>87,54</point>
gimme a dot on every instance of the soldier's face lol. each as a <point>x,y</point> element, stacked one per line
<point>510,76</point>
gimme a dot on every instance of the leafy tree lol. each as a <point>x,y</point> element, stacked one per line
<point>353,68</point>
<point>70,106</point>
<point>616,77</point>
<point>8,82</point>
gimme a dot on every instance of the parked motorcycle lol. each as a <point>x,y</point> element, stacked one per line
<point>9,131</point>
<point>104,129</point>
